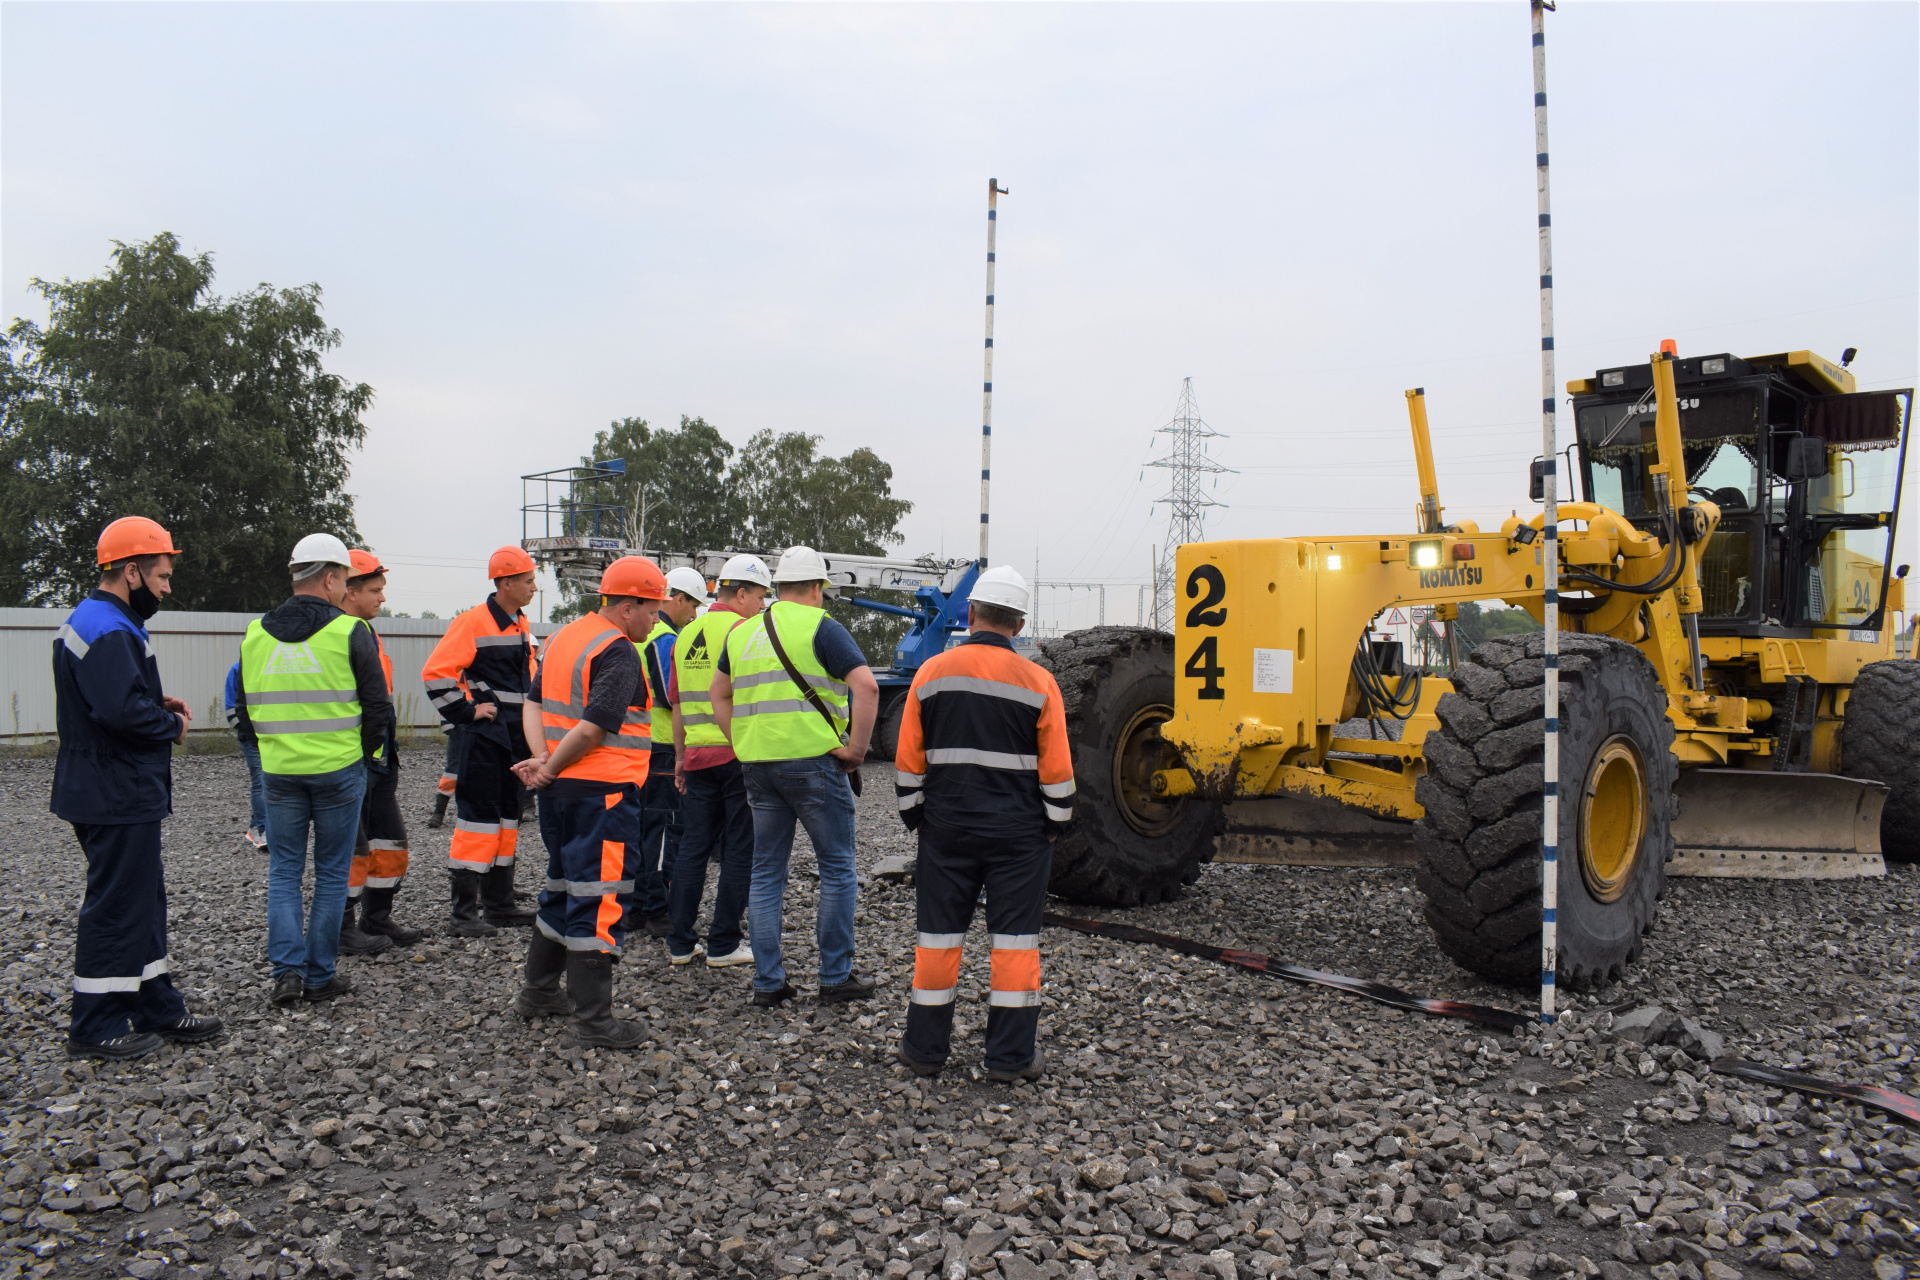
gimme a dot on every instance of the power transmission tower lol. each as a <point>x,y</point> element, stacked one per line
<point>1186,503</point>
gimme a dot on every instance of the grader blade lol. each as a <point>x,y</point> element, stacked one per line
<point>1750,824</point>
<point>1292,831</point>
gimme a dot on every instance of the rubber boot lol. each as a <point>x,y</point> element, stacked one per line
<point>439,818</point>
<point>376,916</point>
<point>466,907</point>
<point>590,980</point>
<point>496,895</point>
<point>354,942</point>
<point>540,996</point>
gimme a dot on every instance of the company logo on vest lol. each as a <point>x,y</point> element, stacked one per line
<point>292,660</point>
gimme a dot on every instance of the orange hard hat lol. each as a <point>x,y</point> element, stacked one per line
<point>508,561</point>
<point>131,536</point>
<point>365,564</point>
<point>634,576</point>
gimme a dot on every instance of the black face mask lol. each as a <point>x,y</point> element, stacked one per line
<point>142,600</point>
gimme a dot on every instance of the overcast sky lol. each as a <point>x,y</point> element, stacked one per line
<point>531,219</point>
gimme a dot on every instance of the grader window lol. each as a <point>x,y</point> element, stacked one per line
<point>1720,436</point>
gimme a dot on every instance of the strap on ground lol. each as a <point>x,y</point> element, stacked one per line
<point>1366,988</point>
<point>1898,1105</point>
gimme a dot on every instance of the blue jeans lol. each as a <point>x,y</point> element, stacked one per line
<point>716,825</point>
<point>814,792</point>
<point>330,804</point>
<point>257,816</point>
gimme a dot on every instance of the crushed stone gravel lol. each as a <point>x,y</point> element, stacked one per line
<point>1196,1122</point>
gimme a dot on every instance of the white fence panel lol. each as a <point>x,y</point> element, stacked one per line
<point>195,650</point>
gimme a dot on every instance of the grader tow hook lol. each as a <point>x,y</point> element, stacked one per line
<point>1730,699</point>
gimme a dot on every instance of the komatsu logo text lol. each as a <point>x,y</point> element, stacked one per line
<point>1463,577</point>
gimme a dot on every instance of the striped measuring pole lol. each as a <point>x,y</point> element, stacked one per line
<point>1549,544</point>
<point>994,192</point>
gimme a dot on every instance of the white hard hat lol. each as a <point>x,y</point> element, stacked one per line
<point>320,548</point>
<point>745,568</point>
<point>691,582</point>
<point>1002,586</point>
<point>800,564</point>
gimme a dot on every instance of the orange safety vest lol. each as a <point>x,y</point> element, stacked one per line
<point>564,692</point>
<point>386,663</point>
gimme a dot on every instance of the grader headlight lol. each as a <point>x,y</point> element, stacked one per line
<point>1424,553</point>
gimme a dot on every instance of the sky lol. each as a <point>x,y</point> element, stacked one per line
<point>529,220</point>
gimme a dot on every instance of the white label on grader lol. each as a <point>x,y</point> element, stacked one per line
<point>1273,671</point>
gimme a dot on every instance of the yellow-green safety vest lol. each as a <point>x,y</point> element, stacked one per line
<point>696,656</point>
<point>660,716</point>
<point>772,720</point>
<point>302,698</point>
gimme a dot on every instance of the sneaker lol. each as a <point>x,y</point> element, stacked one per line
<point>742,954</point>
<point>658,925</point>
<point>286,988</point>
<point>690,957</point>
<point>854,988</point>
<point>914,1064</point>
<point>1032,1071</point>
<point>338,985</point>
<point>191,1029</point>
<point>137,1045</point>
<point>773,999</point>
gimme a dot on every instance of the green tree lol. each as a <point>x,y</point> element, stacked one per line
<point>668,492</point>
<point>790,494</point>
<point>702,495</point>
<point>146,394</point>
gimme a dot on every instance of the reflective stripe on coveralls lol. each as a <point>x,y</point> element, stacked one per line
<point>564,897</point>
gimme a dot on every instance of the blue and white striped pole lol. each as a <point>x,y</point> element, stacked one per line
<point>994,191</point>
<point>1549,544</point>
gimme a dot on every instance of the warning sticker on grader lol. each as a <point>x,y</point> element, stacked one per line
<point>1273,671</point>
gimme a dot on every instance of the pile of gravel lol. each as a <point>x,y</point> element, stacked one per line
<point>1196,1122</point>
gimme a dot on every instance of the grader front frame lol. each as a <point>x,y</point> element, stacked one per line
<point>1725,585</point>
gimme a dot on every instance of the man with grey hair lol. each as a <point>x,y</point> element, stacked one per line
<point>313,694</point>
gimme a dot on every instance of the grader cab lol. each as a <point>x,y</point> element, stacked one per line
<point>1729,688</point>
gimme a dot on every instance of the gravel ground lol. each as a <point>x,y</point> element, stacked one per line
<point>1196,1122</point>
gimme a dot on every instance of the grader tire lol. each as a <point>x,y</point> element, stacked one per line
<point>1878,743</point>
<point>1125,848</point>
<point>886,730</point>
<point>1480,836</point>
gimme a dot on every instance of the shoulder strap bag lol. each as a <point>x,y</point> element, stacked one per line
<point>811,694</point>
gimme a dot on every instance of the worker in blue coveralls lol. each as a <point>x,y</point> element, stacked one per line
<point>659,799</point>
<point>113,780</point>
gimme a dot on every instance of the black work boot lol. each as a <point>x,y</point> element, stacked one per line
<point>540,996</point>
<point>376,917</point>
<point>590,981</point>
<point>354,942</point>
<point>439,818</point>
<point>496,895</point>
<point>466,907</point>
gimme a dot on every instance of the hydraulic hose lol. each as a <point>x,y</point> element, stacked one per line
<point>1376,698</point>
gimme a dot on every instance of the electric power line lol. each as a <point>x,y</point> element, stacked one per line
<point>1187,465</point>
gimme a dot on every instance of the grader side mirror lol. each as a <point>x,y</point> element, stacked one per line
<point>1537,480</point>
<point>1806,459</point>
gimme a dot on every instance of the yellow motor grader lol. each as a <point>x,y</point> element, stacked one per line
<point>1728,680</point>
